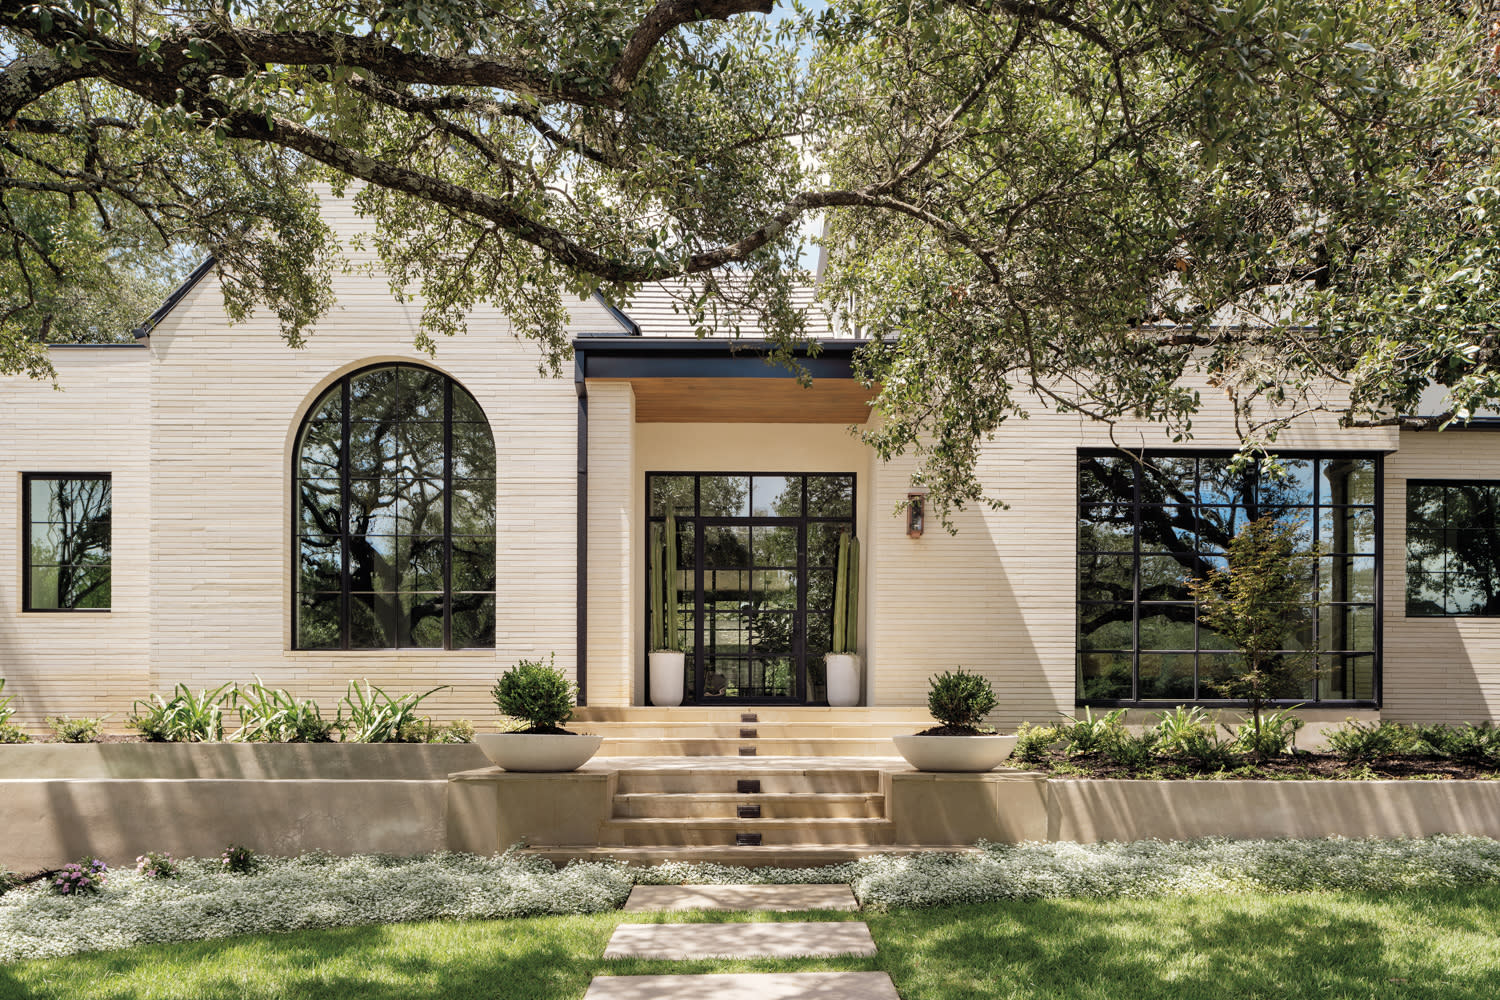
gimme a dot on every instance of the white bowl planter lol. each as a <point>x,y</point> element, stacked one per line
<point>538,751</point>
<point>954,753</point>
<point>843,679</point>
<point>666,677</point>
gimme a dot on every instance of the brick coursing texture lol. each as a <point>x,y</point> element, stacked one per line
<point>199,431</point>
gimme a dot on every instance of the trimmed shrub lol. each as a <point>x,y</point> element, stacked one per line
<point>13,734</point>
<point>960,700</point>
<point>75,730</point>
<point>1477,746</point>
<point>537,693</point>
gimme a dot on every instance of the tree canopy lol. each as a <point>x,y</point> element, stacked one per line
<point>1064,203</point>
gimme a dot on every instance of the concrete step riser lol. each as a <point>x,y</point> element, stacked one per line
<point>644,833</point>
<point>647,715</point>
<point>811,782</point>
<point>763,730</point>
<point>715,806</point>
<point>753,857</point>
<point>628,747</point>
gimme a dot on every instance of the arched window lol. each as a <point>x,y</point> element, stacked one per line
<point>395,515</point>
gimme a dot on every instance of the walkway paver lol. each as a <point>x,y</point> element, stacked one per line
<point>763,986</point>
<point>784,940</point>
<point>776,898</point>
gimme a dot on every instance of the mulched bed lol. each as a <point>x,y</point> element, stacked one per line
<point>1301,766</point>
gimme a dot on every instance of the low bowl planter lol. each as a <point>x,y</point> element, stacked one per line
<point>954,753</point>
<point>538,751</point>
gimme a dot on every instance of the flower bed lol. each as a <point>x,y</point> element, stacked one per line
<point>204,901</point>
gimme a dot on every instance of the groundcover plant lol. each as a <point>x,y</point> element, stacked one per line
<point>315,891</point>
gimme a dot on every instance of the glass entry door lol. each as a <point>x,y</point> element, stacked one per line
<point>756,556</point>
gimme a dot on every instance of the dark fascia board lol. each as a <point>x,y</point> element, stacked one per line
<point>631,357</point>
<point>1473,424</point>
<point>198,274</point>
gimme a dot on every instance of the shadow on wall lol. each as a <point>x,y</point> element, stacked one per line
<point>48,823</point>
<point>949,600</point>
<point>1429,668</point>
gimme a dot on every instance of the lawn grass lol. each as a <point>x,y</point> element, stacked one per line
<point>1416,945</point>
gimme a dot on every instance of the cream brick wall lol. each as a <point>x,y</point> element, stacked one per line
<point>1436,669</point>
<point>83,663</point>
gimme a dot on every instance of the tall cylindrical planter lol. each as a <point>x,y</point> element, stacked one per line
<point>666,678</point>
<point>844,685</point>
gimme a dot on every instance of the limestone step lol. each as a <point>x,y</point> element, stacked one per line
<point>741,898</point>
<point>788,805</point>
<point>685,942</point>
<point>722,777</point>
<point>746,986</point>
<point>615,729</point>
<point>776,856</point>
<point>648,715</point>
<point>688,831</point>
<point>626,746</point>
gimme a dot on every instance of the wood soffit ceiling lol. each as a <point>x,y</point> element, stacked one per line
<point>750,401</point>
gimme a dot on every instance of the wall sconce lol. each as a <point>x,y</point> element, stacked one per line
<point>916,513</point>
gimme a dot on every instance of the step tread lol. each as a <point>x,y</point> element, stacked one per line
<point>734,823</point>
<point>770,856</point>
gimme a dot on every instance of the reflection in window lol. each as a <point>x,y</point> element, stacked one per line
<point>67,544</point>
<point>1144,527</point>
<point>1453,548</point>
<point>395,515</point>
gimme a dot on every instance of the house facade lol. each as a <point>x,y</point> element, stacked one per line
<point>209,505</point>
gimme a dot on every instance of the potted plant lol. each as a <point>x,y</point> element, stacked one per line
<point>666,656</point>
<point>959,701</point>
<point>843,661</point>
<point>541,696</point>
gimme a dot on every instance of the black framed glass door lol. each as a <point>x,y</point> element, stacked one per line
<point>756,562</point>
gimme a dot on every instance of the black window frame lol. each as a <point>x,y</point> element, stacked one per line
<point>1316,508</point>
<point>345,479</point>
<point>27,478</point>
<point>1406,559</point>
<point>801,682</point>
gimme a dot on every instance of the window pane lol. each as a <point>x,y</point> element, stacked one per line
<point>1300,520</point>
<point>1348,678</point>
<point>1167,529</point>
<point>372,506</point>
<point>1473,591</point>
<point>1220,485</point>
<point>330,406</point>
<point>419,563</point>
<point>1345,627</point>
<point>1106,626</point>
<point>1347,529</point>
<point>1347,481</point>
<point>317,620</point>
<point>1166,675</point>
<point>830,496</point>
<point>466,410</point>
<point>1424,506</point>
<point>372,621</point>
<point>774,546</point>
<point>419,509</point>
<point>67,543</point>
<point>1167,627</point>
<point>1216,668</point>
<point>820,589</point>
<point>473,452</point>
<point>318,506</point>
<point>1290,486</point>
<point>1167,480</point>
<point>1106,577</point>
<point>422,393</point>
<point>372,562</point>
<point>726,545</point>
<point>776,496</point>
<point>373,395</point>
<point>419,451</point>
<point>318,561</point>
<point>671,495</point>
<point>318,452</point>
<point>1164,578</point>
<point>474,621</point>
<point>1104,676</point>
<point>421,621</point>
<point>1106,529</point>
<point>774,589</point>
<point>823,543</point>
<point>724,496</point>
<point>1106,479</point>
<point>771,633</point>
<point>1218,525</point>
<point>473,563</point>
<point>1424,594</point>
<point>373,448</point>
<point>1347,578</point>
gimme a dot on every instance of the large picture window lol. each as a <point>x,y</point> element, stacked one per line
<point>395,515</point>
<point>1145,525</point>
<point>67,541</point>
<point>1452,548</point>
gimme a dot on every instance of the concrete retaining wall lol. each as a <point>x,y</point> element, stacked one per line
<point>327,761</point>
<point>47,823</point>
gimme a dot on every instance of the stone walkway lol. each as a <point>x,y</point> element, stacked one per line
<point>742,940</point>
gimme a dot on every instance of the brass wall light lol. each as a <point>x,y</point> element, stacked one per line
<point>916,512</point>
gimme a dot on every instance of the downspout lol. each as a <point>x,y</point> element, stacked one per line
<point>582,530</point>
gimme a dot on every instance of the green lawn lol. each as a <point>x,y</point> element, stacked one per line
<point>1421,944</point>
